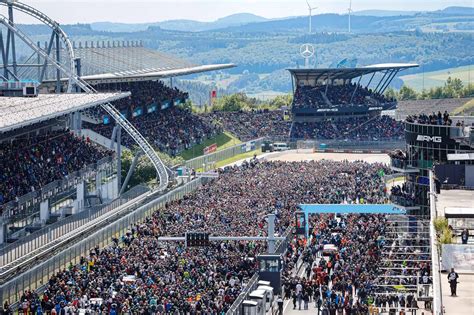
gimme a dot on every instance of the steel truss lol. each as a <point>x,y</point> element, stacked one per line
<point>74,79</point>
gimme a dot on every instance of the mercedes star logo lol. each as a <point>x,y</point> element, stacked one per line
<point>307,50</point>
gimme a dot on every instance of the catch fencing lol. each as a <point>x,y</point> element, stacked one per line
<point>41,238</point>
<point>37,276</point>
<point>209,159</point>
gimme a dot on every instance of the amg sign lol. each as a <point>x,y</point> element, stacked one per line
<point>428,139</point>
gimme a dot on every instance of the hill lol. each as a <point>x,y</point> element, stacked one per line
<point>182,25</point>
<point>438,78</point>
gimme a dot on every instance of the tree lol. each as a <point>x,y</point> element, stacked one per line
<point>390,94</point>
<point>232,103</point>
<point>280,101</point>
<point>407,93</point>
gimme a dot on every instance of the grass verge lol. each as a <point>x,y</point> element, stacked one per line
<point>223,140</point>
<point>235,159</point>
<point>466,107</point>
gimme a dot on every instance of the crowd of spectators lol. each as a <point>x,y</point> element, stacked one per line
<point>323,96</point>
<point>309,97</point>
<point>29,163</point>
<point>150,108</point>
<point>143,93</point>
<point>360,274</point>
<point>137,274</point>
<point>170,130</point>
<point>351,128</point>
<point>248,125</point>
<point>438,119</point>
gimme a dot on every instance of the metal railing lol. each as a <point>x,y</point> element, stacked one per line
<point>403,201</point>
<point>28,204</point>
<point>38,276</point>
<point>221,155</point>
<point>236,307</point>
<point>280,248</point>
<point>435,258</point>
<point>49,233</point>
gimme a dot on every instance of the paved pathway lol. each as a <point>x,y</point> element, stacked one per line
<point>463,303</point>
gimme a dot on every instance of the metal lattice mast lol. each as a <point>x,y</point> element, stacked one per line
<point>109,108</point>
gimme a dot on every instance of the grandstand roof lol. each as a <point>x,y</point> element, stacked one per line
<point>18,112</point>
<point>346,73</point>
<point>123,61</point>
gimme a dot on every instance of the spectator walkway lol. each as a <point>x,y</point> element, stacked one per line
<point>463,303</point>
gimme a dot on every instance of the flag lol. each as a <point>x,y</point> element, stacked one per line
<point>381,172</point>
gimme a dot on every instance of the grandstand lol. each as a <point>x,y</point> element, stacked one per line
<point>77,245</point>
<point>125,61</point>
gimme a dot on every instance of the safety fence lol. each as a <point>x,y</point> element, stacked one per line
<point>37,276</point>
<point>28,204</point>
<point>36,240</point>
<point>205,160</point>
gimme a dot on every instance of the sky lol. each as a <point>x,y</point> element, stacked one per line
<point>141,11</point>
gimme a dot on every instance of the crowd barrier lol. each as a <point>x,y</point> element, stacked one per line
<point>36,277</point>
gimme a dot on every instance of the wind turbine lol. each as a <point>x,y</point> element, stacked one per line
<point>310,9</point>
<point>350,12</point>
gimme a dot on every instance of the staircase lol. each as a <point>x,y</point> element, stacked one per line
<point>111,110</point>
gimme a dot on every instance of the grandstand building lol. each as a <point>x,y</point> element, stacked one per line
<point>54,165</point>
<point>435,143</point>
<point>338,105</point>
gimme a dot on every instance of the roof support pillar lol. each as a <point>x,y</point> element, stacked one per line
<point>355,90</point>
<point>382,90</point>
<point>383,78</point>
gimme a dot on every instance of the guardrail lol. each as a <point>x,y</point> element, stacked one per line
<point>221,155</point>
<point>37,276</point>
<point>49,233</point>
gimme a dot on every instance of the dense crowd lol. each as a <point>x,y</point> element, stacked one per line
<point>143,93</point>
<point>323,96</point>
<point>150,108</point>
<point>358,274</point>
<point>138,274</point>
<point>352,128</point>
<point>171,130</point>
<point>438,119</point>
<point>29,163</point>
<point>252,124</point>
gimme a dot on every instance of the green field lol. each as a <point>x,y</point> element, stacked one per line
<point>224,140</point>
<point>465,109</point>
<point>438,78</point>
<point>234,159</point>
